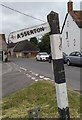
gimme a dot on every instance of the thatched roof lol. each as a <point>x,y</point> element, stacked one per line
<point>25,46</point>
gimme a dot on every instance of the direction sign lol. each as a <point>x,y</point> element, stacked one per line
<point>29,33</point>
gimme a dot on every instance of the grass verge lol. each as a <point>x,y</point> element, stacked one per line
<point>42,94</point>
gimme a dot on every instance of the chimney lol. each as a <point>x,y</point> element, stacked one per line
<point>70,6</point>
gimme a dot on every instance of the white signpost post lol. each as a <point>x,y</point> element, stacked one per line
<point>58,66</point>
<point>28,33</point>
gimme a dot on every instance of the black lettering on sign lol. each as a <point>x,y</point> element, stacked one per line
<point>22,35</point>
<point>18,36</point>
<point>42,29</point>
<point>38,29</point>
<point>25,33</point>
<point>31,31</point>
<point>28,33</point>
<point>34,30</point>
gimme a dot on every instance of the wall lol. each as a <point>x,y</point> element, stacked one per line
<point>0,42</point>
<point>18,54</point>
<point>25,54</point>
<point>11,49</point>
<point>81,39</point>
<point>73,42</point>
<point>3,44</point>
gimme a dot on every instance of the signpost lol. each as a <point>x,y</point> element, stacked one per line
<point>56,49</point>
<point>58,66</point>
<point>27,33</point>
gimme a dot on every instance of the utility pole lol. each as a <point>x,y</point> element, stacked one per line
<point>58,66</point>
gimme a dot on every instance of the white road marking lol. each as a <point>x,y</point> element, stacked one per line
<point>19,70</point>
<point>9,69</point>
<point>41,77</point>
<point>23,68</point>
<point>33,78</point>
<point>36,74</point>
<point>29,76</point>
<point>36,80</point>
<point>46,78</point>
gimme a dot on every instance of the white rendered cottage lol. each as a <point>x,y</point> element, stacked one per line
<point>71,32</point>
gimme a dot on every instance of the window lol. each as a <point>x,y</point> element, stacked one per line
<point>74,42</point>
<point>78,54</point>
<point>73,54</point>
<point>66,35</point>
<point>67,23</point>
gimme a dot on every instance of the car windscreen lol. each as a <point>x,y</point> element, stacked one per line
<point>81,53</point>
<point>43,54</point>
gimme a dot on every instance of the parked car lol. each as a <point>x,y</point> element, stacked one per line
<point>42,56</point>
<point>50,58</point>
<point>64,57</point>
<point>74,58</point>
<point>0,55</point>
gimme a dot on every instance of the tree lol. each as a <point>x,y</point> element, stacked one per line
<point>34,40</point>
<point>44,45</point>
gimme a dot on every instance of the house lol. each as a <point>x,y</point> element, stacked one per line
<point>72,30</point>
<point>10,47</point>
<point>24,49</point>
<point>3,47</point>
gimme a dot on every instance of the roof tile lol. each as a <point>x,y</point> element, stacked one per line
<point>77,16</point>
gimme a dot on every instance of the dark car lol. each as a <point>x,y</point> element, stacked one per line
<point>64,57</point>
<point>50,58</point>
<point>74,58</point>
<point>0,55</point>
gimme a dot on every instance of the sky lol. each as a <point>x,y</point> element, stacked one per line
<point>11,21</point>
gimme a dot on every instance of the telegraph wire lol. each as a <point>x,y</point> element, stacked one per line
<point>21,12</point>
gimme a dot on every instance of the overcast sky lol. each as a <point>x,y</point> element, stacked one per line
<point>12,21</point>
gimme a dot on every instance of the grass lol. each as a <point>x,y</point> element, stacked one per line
<point>42,94</point>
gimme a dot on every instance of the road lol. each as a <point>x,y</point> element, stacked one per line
<point>24,72</point>
<point>73,73</point>
<point>14,78</point>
